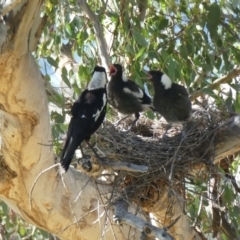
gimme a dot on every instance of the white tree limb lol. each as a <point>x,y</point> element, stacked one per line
<point>21,44</point>
<point>102,45</point>
<point>7,5</point>
<point>123,216</point>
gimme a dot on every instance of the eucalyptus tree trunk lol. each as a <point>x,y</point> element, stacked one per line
<point>68,205</point>
<point>25,133</point>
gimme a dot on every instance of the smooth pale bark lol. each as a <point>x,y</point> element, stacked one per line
<point>24,127</point>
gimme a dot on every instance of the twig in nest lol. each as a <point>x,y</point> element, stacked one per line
<point>127,167</point>
<point>35,182</point>
<point>123,216</point>
<point>173,223</point>
<point>95,167</point>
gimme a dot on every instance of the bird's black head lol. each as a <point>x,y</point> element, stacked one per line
<point>157,77</point>
<point>115,69</point>
<point>154,75</point>
<point>99,69</point>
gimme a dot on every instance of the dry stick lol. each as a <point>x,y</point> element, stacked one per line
<point>234,73</point>
<point>129,167</point>
<point>142,7</point>
<point>199,211</point>
<point>107,218</point>
<point>82,190</point>
<point>76,221</point>
<point>168,227</point>
<point>69,203</point>
<point>35,181</point>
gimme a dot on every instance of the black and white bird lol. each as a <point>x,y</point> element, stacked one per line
<point>171,100</point>
<point>125,95</point>
<point>88,113</point>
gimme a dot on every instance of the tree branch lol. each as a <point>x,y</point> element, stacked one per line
<point>234,73</point>
<point>94,167</point>
<point>142,7</point>
<point>21,45</point>
<point>8,6</point>
<point>123,216</point>
<point>102,45</point>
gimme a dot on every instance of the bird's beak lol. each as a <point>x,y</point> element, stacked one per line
<point>149,76</point>
<point>112,70</point>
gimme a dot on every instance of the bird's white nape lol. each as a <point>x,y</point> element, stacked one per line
<point>124,78</point>
<point>98,80</point>
<point>166,81</point>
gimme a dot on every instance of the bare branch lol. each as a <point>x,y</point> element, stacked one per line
<point>231,142</point>
<point>102,45</point>
<point>123,216</point>
<point>234,73</point>
<point>127,167</point>
<point>8,6</point>
<point>142,7</point>
<point>94,167</point>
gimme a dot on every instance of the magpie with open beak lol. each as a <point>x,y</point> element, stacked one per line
<point>125,95</point>
<point>88,113</point>
<point>171,100</point>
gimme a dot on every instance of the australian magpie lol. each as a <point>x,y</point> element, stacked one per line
<point>88,113</point>
<point>125,95</point>
<point>171,100</point>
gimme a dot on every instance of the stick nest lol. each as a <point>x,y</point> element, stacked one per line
<point>186,152</point>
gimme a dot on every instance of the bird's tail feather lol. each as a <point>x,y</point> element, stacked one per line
<point>67,154</point>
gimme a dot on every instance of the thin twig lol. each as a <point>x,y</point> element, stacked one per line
<point>36,179</point>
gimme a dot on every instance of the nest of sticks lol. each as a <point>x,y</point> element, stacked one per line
<point>187,152</point>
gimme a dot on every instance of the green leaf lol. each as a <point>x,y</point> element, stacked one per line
<point>171,69</point>
<point>214,14</point>
<point>65,77</point>
<point>150,115</point>
<point>142,50</point>
<point>183,51</point>
<point>22,231</point>
<point>229,196</point>
<point>52,62</point>
<point>162,23</point>
<point>140,39</point>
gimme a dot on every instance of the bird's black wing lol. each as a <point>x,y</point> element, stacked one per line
<point>180,89</point>
<point>137,91</point>
<point>88,114</point>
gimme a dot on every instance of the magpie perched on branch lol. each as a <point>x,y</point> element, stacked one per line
<point>88,113</point>
<point>171,100</point>
<point>125,95</point>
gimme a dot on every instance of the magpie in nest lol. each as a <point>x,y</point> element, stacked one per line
<point>171,100</point>
<point>126,96</point>
<point>88,113</point>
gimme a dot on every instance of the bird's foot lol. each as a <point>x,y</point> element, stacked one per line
<point>94,151</point>
<point>131,126</point>
<point>120,120</point>
<point>164,136</point>
<point>85,163</point>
